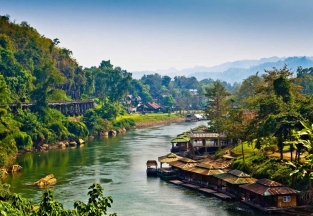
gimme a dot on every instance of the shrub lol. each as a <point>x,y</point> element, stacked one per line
<point>60,130</point>
<point>50,137</point>
<point>53,115</point>
<point>101,124</point>
<point>30,124</point>
<point>77,128</point>
<point>94,122</point>
<point>3,159</point>
<point>23,140</point>
<point>124,123</point>
<point>89,118</point>
<point>58,95</point>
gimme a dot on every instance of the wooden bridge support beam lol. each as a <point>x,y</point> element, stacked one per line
<point>74,108</point>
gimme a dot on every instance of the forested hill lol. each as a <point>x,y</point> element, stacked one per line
<point>31,61</point>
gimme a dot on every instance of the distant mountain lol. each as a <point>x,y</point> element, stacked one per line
<point>238,74</point>
<point>234,71</point>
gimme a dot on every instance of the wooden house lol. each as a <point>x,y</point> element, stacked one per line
<point>206,143</point>
<point>231,181</point>
<point>180,143</point>
<point>153,107</point>
<point>181,164</point>
<point>266,194</point>
<point>201,173</point>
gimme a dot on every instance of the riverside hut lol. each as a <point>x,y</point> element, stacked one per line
<point>206,143</point>
<point>231,181</point>
<point>267,195</point>
<point>181,164</point>
<point>180,143</point>
<point>201,173</point>
<point>171,157</point>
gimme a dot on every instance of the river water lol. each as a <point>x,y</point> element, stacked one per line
<point>119,164</point>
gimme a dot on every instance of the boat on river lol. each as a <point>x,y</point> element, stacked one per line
<point>152,168</point>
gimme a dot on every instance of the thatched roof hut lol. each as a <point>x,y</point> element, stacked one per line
<point>232,179</point>
<point>171,157</point>
<point>182,163</point>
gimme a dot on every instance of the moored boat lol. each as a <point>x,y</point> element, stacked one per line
<point>152,168</point>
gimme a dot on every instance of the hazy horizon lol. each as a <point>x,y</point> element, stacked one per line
<point>142,35</point>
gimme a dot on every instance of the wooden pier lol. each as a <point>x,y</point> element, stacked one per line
<point>176,182</point>
<point>207,190</point>
<point>202,189</point>
<point>222,196</point>
<point>196,187</point>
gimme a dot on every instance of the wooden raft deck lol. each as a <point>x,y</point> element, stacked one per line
<point>222,196</point>
<point>176,182</point>
<point>202,189</point>
<point>292,210</point>
<point>207,190</point>
<point>260,208</point>
<point>191,186</point>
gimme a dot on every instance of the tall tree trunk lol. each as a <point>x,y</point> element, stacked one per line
<point>243,153</point>
<point>291,150</point>
<point>281,146</point>
<point>296,156</point>
<point>310,181</point>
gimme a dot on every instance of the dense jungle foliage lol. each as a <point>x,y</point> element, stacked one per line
<point>272,112</point>
<point>14,205</point>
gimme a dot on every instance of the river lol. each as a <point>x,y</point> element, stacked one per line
<point>119,164</point>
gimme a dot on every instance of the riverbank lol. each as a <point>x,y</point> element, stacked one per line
<point>119,164</point>
<point>159,122</point>
<point>140,120</point>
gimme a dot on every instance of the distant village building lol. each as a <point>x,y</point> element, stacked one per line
<point>150,107</point>
<point>194,117</point>
<point>249,114</point>
<point>131,109</point>
<point>193,91</point>
<point>153,107</point>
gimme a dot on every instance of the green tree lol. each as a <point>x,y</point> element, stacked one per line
<point>247,90</point>
<point>166,81</point>
<point>169,101</point>
<point>97,203</point>
<point>5,93</point>
<point>217,106</point>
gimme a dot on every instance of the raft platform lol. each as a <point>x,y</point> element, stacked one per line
<point>222,196</point>
<point>207,190</point>
<point>202,189</point>
<point>191,186</point>
<point>176,182</point>
<point>288,210</point>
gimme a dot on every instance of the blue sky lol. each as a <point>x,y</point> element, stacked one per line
<point>158,34</point>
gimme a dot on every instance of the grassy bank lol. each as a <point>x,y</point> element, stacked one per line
<point>138,118</point>
<point>145,120</point>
